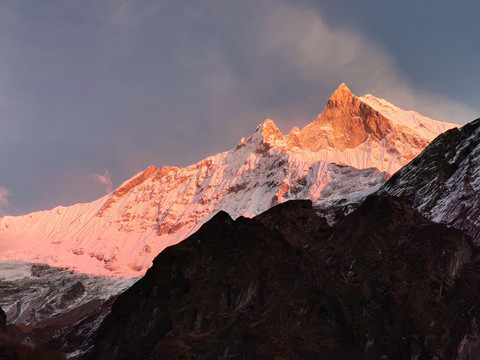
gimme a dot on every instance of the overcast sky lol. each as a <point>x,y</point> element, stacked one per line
<point>92,91</point>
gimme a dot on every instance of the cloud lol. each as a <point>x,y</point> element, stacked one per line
<point>296,40</point>
<point>103,179</point>
<point>4,193</point>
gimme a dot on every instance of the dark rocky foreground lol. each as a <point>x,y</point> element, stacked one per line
<point>10,349</point>
<point>383,283</point>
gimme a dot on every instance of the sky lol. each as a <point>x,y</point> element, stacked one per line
<point>94,91</point>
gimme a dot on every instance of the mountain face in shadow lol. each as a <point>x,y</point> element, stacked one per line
<point>383,283</point>
<point>443,182</point>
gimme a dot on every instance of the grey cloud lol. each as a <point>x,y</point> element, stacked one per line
<point>104,179</point>
<point>120,85</point>
<point>4,193</point>
<point>318,52</point>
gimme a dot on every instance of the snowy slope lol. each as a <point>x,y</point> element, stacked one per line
<point>425,127</point>
<point>330,161</point>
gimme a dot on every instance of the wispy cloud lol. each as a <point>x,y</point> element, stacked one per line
<point>298,40</point>
<point>4,193</point>
<point>103,179</point>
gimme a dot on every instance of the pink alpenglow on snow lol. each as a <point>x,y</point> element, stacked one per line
<point>345,154</point>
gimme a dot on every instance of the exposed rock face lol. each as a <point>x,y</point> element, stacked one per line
<point>345,123</point>
<point>383,283</point>
<point>344,155</point>
<point>443,182</point>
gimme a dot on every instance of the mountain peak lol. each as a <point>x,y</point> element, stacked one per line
<point>342,95</point>
<point>268,123</point>
<point>267,133</point>
<point>273,136</point>
<point>351,125</point>
<point>343,87</point>
<point>269,128</point>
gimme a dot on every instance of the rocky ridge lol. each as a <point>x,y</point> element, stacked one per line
<point>382,283</point>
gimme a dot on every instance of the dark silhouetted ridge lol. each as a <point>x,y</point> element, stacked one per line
<point>383,283</point>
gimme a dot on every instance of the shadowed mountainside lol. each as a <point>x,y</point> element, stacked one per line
<point>443,182</point>
<point>384,282</point>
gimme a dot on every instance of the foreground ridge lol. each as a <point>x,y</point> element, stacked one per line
<point>384,282</point>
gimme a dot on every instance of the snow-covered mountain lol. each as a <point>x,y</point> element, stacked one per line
<point>443,182</point>
<point>345,154</point>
